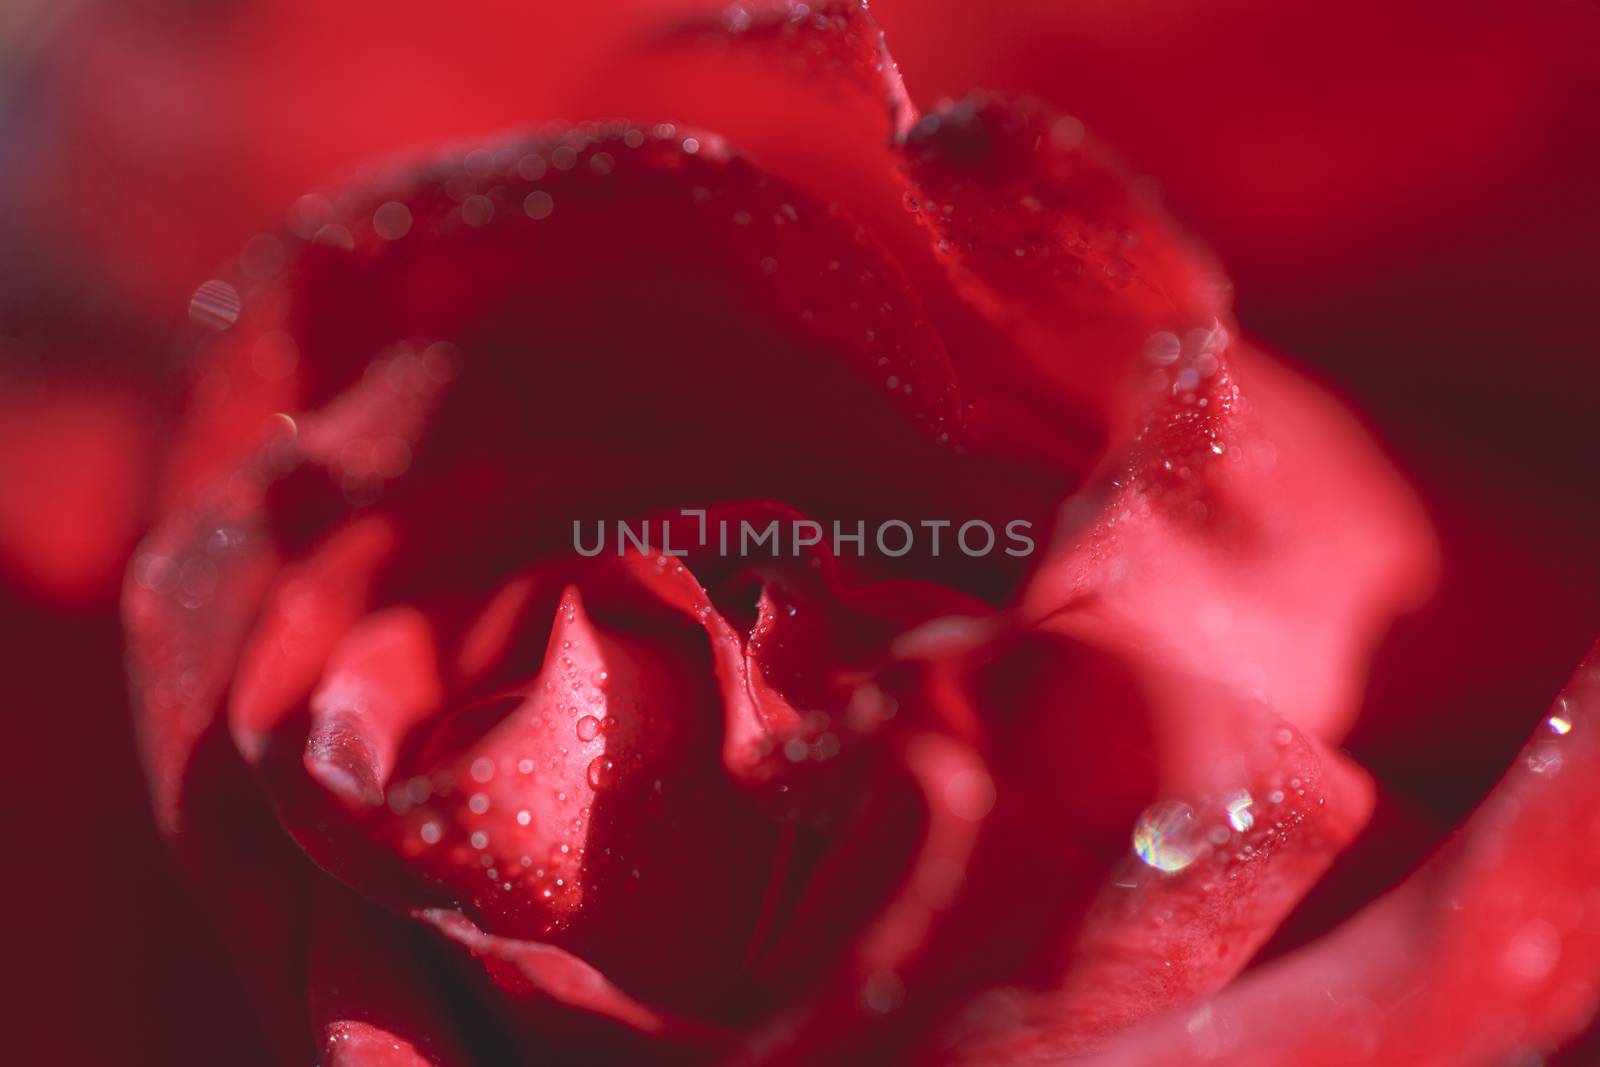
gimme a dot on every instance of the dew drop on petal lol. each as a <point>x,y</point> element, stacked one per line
<point>1165,836</point>
<point>477,210</point>
<point>1163,348</point>
<point>392,220</point>
<point>588,728</point>
<point>883,992</point>
<point>1543,757</point>
<point>215,304</point>
<point>538,204</point>
<point>1239,804</point>
<point>602,772</point>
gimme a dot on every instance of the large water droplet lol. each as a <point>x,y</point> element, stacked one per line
<point>588,728</point>
<point>602,772</point>
<point>1166,836</point>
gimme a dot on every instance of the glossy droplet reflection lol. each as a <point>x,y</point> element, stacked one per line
<point>1239,805</point>
<point>1167,836</point>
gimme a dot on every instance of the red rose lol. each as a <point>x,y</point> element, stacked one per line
<point>462,790</point>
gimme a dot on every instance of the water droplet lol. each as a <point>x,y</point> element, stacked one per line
<point>430,833</point>
<point>1066,132</point>
<point>1165,836</point>
<point>482,769</point>
<point>1543,757</point>
<point>602,772</point>
<point>480,840</point>
<point>479,803</point>
<point>539,204</point>
<point>1559,724</point>
<point>392,221</point>
<point>531,167</point>
<point>1239,804</point>
<point>477,210</point>
<point>883,992</point>
<point>215,304</point>
<point>588,728</point>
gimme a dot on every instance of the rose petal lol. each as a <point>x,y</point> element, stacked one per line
<point>380,682</point>
<point>1250,814</point>
<point>548,969</point>
<point>1030,250</point>
<point>1254,537</point>
<point>1046,237</point>
<point>1486,953</point>
<point>181,656</point>
<point>308,612</point>
<point>937,938</point>
<point>772,295</point>
<point>757,719</point>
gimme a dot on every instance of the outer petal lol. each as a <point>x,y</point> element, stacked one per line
<point>1249,813</point>
<point>1255,536</point>
<point>1488,952</point>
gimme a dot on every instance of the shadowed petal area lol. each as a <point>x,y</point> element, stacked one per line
<point>371,1001</point>
<point>548,969</point>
